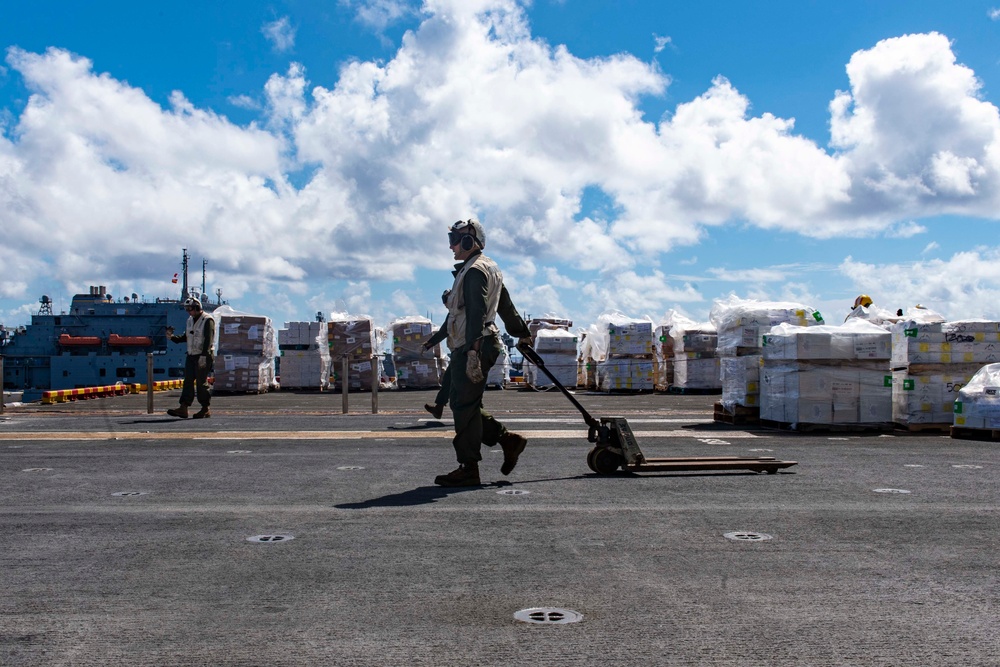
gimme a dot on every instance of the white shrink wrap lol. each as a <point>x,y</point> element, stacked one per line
<point>978,404</point>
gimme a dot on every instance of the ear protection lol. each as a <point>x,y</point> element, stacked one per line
<point>468,241</point>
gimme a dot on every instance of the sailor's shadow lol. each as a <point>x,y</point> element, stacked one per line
<point>422,495</point>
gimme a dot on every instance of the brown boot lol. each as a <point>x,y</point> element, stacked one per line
<point>436,410</point>
<point>204,413</point>
<point>512,445</point>
<point>467,474</point>
<point>181,411</point>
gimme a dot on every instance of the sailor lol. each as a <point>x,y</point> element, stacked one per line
<point>477,297</point>
<point>200,337</point>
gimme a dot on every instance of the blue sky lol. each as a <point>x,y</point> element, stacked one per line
<point>640,156</point>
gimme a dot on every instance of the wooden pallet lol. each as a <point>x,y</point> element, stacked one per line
<point>692,391</point>
<point>740,414</point>
<point>964,433</point>
<point>802,427</point>
<point>924,428</point>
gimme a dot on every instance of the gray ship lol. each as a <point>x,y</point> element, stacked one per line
<point>100,341</point>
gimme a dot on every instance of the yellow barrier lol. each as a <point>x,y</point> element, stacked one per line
<point>160,385</point>
<point>119,389</point>
<point>64,395</point>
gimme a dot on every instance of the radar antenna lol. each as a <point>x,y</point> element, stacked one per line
<point>46,308</point>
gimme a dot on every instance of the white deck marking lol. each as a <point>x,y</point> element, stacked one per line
<point>333,435</point>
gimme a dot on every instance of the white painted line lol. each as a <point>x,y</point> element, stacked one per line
<point>557,420</point>
<point>345,435</point>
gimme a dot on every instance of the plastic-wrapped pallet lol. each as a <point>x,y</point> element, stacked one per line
<point>978,403</point>
<point>558,349</point>
<point>740,379</point>
<point>587,362</point>
<point>741,325</point>
<point>499,374</point>
<point>247,347</point>
<point>356,338</point>
<point>415,367</point>
<point>826,374</point>
<point>305,355</point>
<point>663,349</point>
<point>625,346</point>
<point>696,365</point>
<point>932,360</point>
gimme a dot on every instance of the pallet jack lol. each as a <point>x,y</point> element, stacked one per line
<point>615,446</point>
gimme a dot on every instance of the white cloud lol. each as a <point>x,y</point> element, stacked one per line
<point>965,286</point>
<point>759,275</point>
<point>994,14</point>
<point>904,230</point>
<point>636,294</point>
<point>280,34</point>
<point>473,116</point>
<point>380,14</point>
<point>930,247</point>
<point>916,138</point>
<point>660,42</point>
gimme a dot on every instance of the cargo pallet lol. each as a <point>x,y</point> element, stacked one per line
<point>803,427</point>
<point>740,415</point>
<point>966,433</point>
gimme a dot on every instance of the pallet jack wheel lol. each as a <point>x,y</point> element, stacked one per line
<point>605,461</point>
<point>590,458</point>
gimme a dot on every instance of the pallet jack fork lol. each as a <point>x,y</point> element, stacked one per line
<point>615,445</point>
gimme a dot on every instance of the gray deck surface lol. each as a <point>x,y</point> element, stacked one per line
<point>384,568</point>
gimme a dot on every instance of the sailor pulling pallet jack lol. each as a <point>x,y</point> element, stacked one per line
<point>477,297</point>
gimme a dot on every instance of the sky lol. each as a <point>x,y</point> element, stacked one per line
<point>641,157</point>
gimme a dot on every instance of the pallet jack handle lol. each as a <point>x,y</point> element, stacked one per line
<point>531,355</point>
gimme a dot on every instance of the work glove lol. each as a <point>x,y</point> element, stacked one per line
<point>473,370</point>
<point>202,361</point>
<point>444,296</point>
<point>524,340</point>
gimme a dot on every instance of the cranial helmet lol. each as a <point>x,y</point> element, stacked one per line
<point>470,227</point>
<point>192,302</point>
<point>863,300</point>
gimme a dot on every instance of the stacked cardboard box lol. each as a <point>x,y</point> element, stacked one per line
<point>354,338</point>
<point>416,368</point>
<point>932,361</point>
<point>978,403</point>
<point>696,365</point>
<point>247,349</point>
<point>304,356</point>
<point>741,325</point>
<point>628,354</point>
<point>558,349</point>
<point>537,324</point>
<point>826,375</point>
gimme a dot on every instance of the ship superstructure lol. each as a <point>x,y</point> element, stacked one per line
<point>100,340</point>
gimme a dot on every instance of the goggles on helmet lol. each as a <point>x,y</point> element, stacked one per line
<point>460,229</point>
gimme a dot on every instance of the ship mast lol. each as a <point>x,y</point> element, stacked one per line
<point>204,263</point>
<point>184,263</point>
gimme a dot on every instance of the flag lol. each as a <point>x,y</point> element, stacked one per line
<point>174,280</point>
